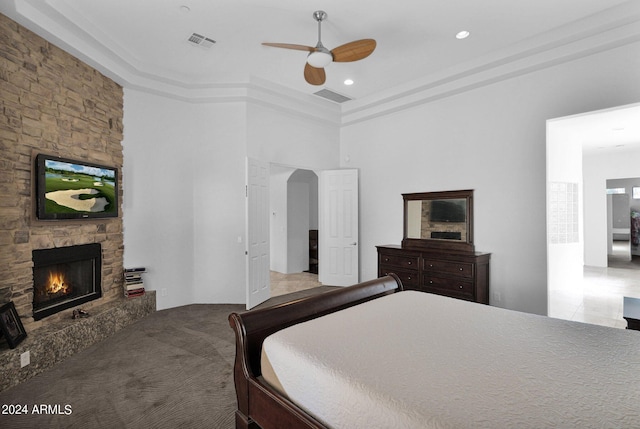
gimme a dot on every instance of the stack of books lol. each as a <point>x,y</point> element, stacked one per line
<point>133,283</point>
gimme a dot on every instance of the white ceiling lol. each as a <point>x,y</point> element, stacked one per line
<point>147,39</point>
<point>415,37</point>
<point>611,129</point>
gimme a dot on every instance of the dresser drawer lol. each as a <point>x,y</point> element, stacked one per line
<point>462,275</point>
<point>399,261</point>
<point>448,286</point>
<point>462,269</point>
<point>409,278</point>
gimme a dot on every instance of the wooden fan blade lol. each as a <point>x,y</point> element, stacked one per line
<point>353,51</point>
<point>313,75</point>
<point>291,46</point>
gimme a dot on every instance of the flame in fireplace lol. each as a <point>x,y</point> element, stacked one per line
<point>57,284</point>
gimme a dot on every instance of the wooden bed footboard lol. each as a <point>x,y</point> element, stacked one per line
<point>260,406</point>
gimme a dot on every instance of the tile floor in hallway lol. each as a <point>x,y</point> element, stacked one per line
<point>598,299</point>
<point>287,283</point>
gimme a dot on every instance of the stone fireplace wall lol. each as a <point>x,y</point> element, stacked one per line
<point>51,102</point>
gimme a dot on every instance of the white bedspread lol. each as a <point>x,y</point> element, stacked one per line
<point>417,360</point>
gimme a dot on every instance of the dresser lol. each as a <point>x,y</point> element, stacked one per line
<point>463,275</point>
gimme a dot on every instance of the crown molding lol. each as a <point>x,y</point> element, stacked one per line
<point>57,28</point>
<point>612,28</point>
<point>615,28</point>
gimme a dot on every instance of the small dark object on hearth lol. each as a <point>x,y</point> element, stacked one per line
<point>78,313</point>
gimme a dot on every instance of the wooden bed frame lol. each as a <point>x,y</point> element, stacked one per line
<point>259,405</point>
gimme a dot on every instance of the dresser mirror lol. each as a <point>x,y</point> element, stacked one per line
<point>439,220</point>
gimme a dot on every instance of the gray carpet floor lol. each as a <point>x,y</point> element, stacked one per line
<point>172,369</point>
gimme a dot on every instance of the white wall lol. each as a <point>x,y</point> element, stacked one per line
<point>158,196</point>
<point>278,218</point>
<point>184,187</point>
<point>298,226</point>
<point>218,187</point>
<point>293,140</point>
<point>491,139</point>
<point>184,197</point>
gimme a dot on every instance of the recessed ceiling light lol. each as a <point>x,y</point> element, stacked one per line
<point>348,82</point>
<point>462,34</point>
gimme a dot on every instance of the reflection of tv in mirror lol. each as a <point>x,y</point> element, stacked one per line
<point>453,210</point>
<point>68,189</point>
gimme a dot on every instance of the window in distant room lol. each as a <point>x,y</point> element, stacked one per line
<point>613,191</point>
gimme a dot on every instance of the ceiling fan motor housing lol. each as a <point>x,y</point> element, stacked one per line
<point>320,58</point>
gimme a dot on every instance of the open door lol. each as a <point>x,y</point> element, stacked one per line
<point>257,232</point>
<point>338,227</point>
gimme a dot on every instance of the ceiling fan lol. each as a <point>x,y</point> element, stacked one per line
<point>319,57</point>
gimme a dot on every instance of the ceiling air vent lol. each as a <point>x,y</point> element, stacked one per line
<point>200,40</point>
<point>333,96</point>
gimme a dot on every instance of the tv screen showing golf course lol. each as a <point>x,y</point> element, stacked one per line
<point>70,189</point>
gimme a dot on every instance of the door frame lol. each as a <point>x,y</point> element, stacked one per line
<point>267,217</point>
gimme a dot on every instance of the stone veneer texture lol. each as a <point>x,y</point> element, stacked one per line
<point>53,103</point>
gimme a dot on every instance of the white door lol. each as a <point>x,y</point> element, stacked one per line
<point>338,227</point>
<point>257,232</point>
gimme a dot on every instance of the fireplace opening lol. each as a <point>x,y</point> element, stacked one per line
<point>64,277</point>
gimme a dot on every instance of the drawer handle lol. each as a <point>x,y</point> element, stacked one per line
<point>430,282</point>
<point>386,259</point>
<point>431,265</point>
<point>409,278</point>
<point>409,262</point>
<point>460,286</point>
<point>460,268</point>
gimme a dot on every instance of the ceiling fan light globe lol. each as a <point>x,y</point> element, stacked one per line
<point>319,59</point>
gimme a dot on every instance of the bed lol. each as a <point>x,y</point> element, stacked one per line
<point>373,355</point>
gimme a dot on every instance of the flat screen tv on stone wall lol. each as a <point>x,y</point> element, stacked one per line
<point>69,189</point>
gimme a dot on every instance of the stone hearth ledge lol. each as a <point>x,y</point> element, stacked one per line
<point>55,342</point>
